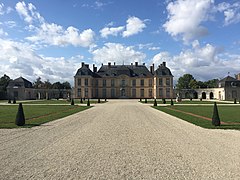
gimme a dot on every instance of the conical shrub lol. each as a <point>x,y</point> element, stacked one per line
<point>164,101</point>
<point>172,102</point>
<point>105,99</point>
<point>235,101</point>
<point>155,102</point>
<point>215,117</point>
<point>14,100</point>
<point>72,102</point>
<point>20,118</point>
<point>145,100</point>
<point>99,100</point>
<point>9,101</point>
<point>81,101</point>
<point>88,103</point>
<point>140,99</point>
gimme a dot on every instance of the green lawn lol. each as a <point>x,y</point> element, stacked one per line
<point>159,101</point>
<point>36,115</point>
<point>228,114</point>
<point>76,101</point>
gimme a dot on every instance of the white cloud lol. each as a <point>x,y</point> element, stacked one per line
<point>3,33</point>
<point>114,31</point>
<point>185,18</point>
<point>19,59</point>
<point>203,63</point>
<point>231,12</point>
<point>4,10</point>
<point>114,52</point>
<point>148,46</point>
<point>51,33</point>
<point>134,26</point>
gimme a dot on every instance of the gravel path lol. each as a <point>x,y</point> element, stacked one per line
<point>119,140</point>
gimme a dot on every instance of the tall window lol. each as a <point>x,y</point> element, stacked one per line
<point>79,92</point>
<point>150,82</point>
<point>160,92</point>
<point>97,93</point>
<point>86,82</point>
<point>142,82</point>
<point>142,92</point>
<point>79,82</point>
<point>112,82</point>
<point>112,92</point>
<point>104,82</point>
<point>134,82</point>
<point>86,92</point>
<point>168,82</point>
<point>96,82</point>
<point>150,93</point>
<point>168,92</point>
<point>123,82</point>
<point>104,93</point>
<point>133,93</point>
<point>160,82</point>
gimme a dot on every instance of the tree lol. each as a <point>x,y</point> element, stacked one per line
<point>38,83</point>
<point>57,85</point>
<point>47,85</point>
<point>187,81</point>
<point>4,81</point>
<point>66,85</point>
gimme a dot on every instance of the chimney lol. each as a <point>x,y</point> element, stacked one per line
<point>143,64</point>
<point>131,64</point>
<point>151,69</point>
<point>94,68</point>
<point>136,63</point>
<point>87,65</point>
<point>82,64</point>
<point>114,63</point>
<point>164,64</point>
<point>109,64</point>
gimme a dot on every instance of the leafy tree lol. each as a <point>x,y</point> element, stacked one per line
<point>57,85</point>
<point>47,85</point>
<point>66,85</point>
<point>187,81</point>
<point>4,81</point>
<point>38,83</point>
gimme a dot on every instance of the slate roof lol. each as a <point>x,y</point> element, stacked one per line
<point>162,71</point>
<point>228,78</point>
<point>20,82</point>
<point>129,70</point>
<point>85,71</point>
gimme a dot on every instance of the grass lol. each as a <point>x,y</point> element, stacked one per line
<point>159,101</point>
<point>228,114</point>
<point>53,101</point>
<point>36,115</point>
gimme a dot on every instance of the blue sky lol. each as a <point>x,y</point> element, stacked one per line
<point>50,39</point>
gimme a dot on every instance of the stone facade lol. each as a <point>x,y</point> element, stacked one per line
<point>22,89</point>
<point>123,81</point>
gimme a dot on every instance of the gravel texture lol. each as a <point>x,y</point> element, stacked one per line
<point>121,139</point>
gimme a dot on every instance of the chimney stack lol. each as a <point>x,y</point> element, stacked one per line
<point>114,63</point>
<point>109,64</point>
<point>151,69</point>
<point>164,64</point>
<point>136,63</point>
<point>94,68</point>
<point>143,64</point>
<point>82,64</point>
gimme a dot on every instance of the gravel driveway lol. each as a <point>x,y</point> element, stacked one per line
<point>121,139</point>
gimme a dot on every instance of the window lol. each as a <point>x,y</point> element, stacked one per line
<point>168,92</point>
<point>96,93</point>
<point>142,92</point>
<point>134,82</point>
<point>79,92</point>
<point>150,93</point>
<point>160,82</point>
<point>112,82</point>
<point>160,92</point>
<point>86,92</point>
<point>104,82</point>
<point>104,93</point>
<point>79,82</point>
<point>15,94</point>
<point>142,82</point>
<point>150,82</point>
<point>96,82</point>
<point>123,82</point>
<point>86,82</point>
<point>234,94</point>
<point>112,92</point>
<point>168,82</point>
<point>133,93</point>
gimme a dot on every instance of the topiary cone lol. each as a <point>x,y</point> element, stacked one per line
<point>99,100</point>
<point>81,101</point>
<point>14,100</point>
<point>9,101</point>
<point>88,103</point>
<point>235,101</point>
<point>72,102</point>
<point>145,100</point>
<point>155,102</point>
<point>172,102</point>
<point>164,101</point>
<point>20,118</point>
<point>215,117</point>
